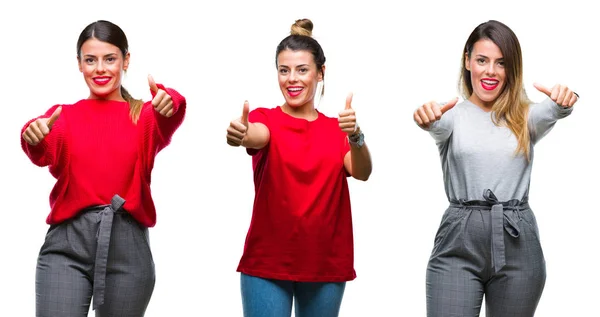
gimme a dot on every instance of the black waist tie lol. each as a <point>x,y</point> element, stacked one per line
<point>503,217</point>
<point>103,238</point>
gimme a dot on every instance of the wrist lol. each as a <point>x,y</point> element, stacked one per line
<point>357,138</point>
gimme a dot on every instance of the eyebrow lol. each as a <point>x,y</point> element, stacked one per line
<point>481,55</point>
<point>301,65</point>
<point>92,55</point>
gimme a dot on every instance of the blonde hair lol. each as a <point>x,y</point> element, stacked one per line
<point>135,105</point>
<point>511,108</point>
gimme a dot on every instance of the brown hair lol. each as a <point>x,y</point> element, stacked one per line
<point>512,105</point>
<point>108,32</point>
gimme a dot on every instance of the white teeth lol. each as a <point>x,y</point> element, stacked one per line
<point>294,89</point>
<point>490,82</point>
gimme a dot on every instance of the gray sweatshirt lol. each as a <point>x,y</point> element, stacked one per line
<point>478,155</point>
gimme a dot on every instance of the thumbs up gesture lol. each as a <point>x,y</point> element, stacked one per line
<point>347,117</point>
<point>162,101</point>
<point>39,129</point>
<point>430,112</point>
<point>237,128</point>
<point>560,94</point>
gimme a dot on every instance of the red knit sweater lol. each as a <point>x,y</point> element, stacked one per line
<point>95,151</point>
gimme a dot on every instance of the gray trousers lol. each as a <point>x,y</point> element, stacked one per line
<point>486,247</point>
<point>103,252</point>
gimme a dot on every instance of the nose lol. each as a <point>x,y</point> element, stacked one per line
<point>100,68</point>
<point>491,69</point>
<point>293,76</point>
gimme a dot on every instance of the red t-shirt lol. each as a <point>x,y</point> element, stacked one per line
<point>95,151</point>
<point>301,228</point>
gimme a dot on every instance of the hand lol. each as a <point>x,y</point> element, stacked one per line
<point>162,101</point>
<point>560,94</point>
<point>39,129</point>
<point>430,112</point>
<point>347,118</point>
<point>237,128</point>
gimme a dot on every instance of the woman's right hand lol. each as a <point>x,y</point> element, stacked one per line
<point>39,129</point>
<point>237,128</point>
<point>430,112</point>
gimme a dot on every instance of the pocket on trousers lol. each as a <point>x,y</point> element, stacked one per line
<point>52,231</point>
<point>449,220</point>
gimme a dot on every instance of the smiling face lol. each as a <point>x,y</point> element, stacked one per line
<point>298,77</point>
<point>102,65</point>
<point>488,76</point>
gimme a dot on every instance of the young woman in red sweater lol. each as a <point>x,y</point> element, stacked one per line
<point>101,151</point>
<point>300,243</point>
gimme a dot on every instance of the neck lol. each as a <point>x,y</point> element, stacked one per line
<point>306,111</point>
<point>485,106</point>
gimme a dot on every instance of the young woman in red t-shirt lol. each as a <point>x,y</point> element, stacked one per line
<point>101,151</point>
<point>299,245</point>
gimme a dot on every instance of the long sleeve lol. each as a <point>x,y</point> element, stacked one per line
<point>47,151</point>
<point>157,130</point>
<point>442,129</point>
<point>543,116</point>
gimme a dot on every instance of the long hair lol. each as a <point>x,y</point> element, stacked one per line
<point>511,108</point>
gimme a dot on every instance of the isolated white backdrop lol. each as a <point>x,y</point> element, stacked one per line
<point>220,53</point>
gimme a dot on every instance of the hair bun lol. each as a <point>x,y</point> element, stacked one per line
<point>302,27</point>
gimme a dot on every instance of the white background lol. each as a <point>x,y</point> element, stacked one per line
<point>220,53</point>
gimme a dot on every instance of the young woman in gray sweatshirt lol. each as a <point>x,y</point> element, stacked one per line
<point>488,242</point>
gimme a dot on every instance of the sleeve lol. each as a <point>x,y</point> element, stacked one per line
<point>442,129</point>
<point>543,116</point>
<point>258,115</point>
<point>158,129</point>
<point>47,152</point>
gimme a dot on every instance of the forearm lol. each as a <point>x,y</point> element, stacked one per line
<point>361,162</point>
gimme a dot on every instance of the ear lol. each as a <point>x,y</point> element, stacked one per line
<point>126,61</point>
<point>467,62</point>
<point>79,64</point>
<point>322,73</point>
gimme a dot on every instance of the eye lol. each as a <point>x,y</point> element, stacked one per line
<point>501,64</point>
<point>480,61</point>
<point>303,70</point>
<point>283,71</point>
<point>111,59</point>
<point>89,60</point>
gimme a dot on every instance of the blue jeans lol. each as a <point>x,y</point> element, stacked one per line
<point>273,298</point>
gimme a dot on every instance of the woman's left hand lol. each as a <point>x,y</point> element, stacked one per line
<point>560,94</point>
<point>162,101</point>
<point>347,118</point>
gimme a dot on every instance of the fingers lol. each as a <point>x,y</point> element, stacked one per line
<point>53,117</point>
<point>152,84</point>
<point>431,112</point>
<point>349,101</point>
<point>561,94</point>
<point>236,133</point>
<point>245,111</point>
<point>31,137</point>
<point>573,100</point>
<point>347,117</point>
<point>163,103</point>
<point>36,131</point>
<point>543,89</point>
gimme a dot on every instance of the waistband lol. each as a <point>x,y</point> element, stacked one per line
<point>503,217</point>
